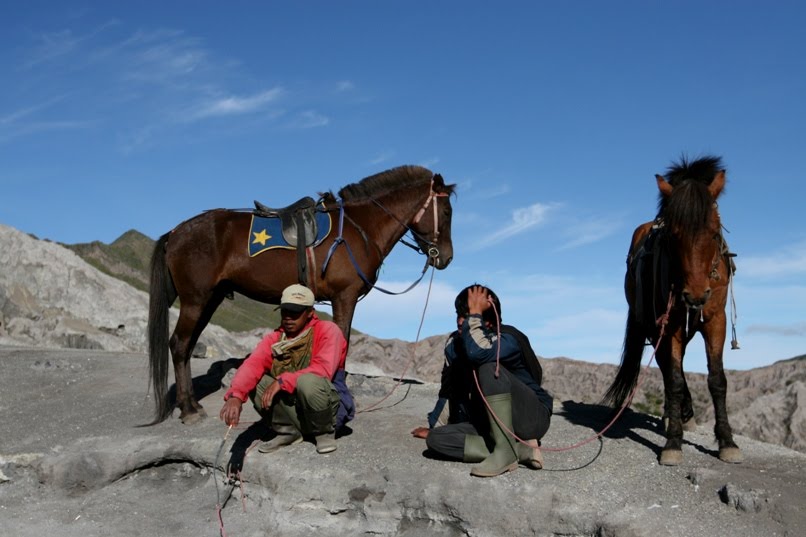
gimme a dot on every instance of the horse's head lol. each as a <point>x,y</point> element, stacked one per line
<point>688,209</point>
<point>432,224</point>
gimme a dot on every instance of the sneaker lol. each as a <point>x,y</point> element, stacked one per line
<point>326,443</point>
<point>280,441</point>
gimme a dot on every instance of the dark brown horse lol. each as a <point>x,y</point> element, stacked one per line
<point>206,258</point>
<point>681,256</point>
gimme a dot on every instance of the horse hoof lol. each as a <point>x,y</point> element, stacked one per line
<point>195,417</point>
<point>671,457</point>
<point>732,455</point>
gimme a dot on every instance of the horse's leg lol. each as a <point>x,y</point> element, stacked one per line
<point>182,342</point>
<point>674,384</point>
<point>687,409</point>
<point>343,310</point>
<point>714,335</point>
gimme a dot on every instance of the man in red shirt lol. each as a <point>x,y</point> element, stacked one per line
<point>295,377</point>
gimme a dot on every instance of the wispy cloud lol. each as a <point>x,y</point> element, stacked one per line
<point>583,232</point>
<point>163,57</point>
<point>428,163</point>
<point>790,261</point>
<point>52,46</point>
<point>381,158</point>
<point>790,330</point>
<point>344,85</point>
<point>235,105</point>
<point>22,113</point>
<point>25,121</point>
<point>309,119</point>
<point>522,219</point>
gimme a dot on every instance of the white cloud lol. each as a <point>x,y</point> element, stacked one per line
<point>790,261</point>
<point>54,45</point>
<point>381,158</point>
<point>589,231</point>
<point>309,119</point>
<point>795,329</point>
<point>429,163</point>
<point>523,219</point>
<point>235,105</point>
<point>344,85</point>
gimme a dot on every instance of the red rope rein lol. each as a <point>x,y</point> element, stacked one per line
<point>413,348</point>
<point>661,321</point>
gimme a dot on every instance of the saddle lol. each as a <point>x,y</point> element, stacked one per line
<point>298,223</point>
<point>297,220</point>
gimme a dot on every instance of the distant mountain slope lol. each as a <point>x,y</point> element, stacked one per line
<point>128,258</point>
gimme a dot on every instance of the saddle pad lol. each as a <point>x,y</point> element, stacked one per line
<point>267,233</point>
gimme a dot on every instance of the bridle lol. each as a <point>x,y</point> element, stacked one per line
<point>432,250</point>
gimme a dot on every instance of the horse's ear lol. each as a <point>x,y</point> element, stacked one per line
<point>663,185</point>
<point>439,180</point>
<point>716,186</point>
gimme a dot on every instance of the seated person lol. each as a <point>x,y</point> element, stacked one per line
<point>516,398</point>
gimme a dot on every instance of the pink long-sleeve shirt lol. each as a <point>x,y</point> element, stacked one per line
<point>329,353</point>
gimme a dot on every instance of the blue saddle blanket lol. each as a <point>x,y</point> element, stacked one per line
<point>267,233</point>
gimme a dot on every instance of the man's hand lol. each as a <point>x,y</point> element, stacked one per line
<point>478,300</point>
<point>420,432</point>
<point>268,395</point>
<point>231,411</point>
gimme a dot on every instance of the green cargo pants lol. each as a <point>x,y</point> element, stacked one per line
<point>311,409</point>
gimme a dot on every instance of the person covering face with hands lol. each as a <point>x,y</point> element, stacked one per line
<point>517,402</point>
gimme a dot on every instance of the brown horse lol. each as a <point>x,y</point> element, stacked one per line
<point>681,259</point>
<point>206,258</point>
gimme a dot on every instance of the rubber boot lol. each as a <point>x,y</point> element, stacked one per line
<point>287,430</point>
<point>504,457</point>
<point>286,436</point>
<point>320,424</point>
<point>475,449</point>
<point>530,456</point>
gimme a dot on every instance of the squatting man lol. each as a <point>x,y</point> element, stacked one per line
<point>295,378</point>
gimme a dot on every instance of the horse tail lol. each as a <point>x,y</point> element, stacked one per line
<point>630,368</point>
<point>162,294</point>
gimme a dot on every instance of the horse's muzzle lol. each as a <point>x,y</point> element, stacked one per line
<point>440,263</point>
<point>696,302</point>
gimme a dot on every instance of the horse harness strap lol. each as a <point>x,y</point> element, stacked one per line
<point>432,250</point>
<point>432,195</point>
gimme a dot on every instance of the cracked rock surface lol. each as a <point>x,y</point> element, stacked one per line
<point>74,463</point>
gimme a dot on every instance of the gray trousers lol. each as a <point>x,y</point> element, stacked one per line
<point>530,419</point>
<point>311,409</point>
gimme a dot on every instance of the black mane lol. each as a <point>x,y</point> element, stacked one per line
<point>384,182</point>
<point>702,170</point>
<point>688,208</point>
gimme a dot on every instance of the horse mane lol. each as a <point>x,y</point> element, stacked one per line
<point>688,208</point>
<point>382,183</point>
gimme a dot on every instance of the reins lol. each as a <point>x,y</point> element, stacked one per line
<point>413,348</point>
<point>661,321</point>
<point>431,253</point>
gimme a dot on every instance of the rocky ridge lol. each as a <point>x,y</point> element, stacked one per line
<point>73,461</point>
<point>50,297</point>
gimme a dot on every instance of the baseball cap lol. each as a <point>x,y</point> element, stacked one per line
<point>296,298</point>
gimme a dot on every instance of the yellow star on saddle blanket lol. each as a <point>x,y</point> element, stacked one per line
<point>261,238</point>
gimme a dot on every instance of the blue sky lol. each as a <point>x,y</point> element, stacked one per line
<point>552,118</point>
